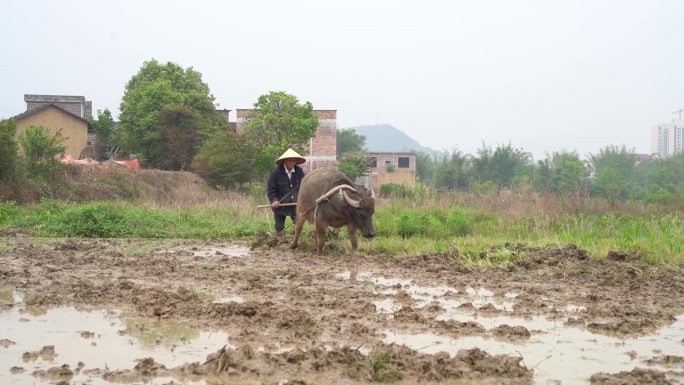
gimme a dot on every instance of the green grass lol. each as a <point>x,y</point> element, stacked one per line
<point>381,367</point>
<point>474,235</point>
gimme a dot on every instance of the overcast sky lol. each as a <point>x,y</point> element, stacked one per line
<point>542,75</point>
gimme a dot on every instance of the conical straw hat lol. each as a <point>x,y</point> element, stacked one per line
<point>291,154</point>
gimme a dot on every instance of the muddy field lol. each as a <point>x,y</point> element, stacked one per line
<point>194,312</point>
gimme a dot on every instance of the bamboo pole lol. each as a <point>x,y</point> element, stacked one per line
<point>281,205</point>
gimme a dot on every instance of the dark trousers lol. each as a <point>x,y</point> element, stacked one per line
<point>280,221</point>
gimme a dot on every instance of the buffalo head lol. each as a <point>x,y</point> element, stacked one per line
<point>360,210</point>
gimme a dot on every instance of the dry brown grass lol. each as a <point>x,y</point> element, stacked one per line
<point>77,183</point>
<point>522,204</point>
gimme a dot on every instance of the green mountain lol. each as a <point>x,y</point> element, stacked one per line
<point>387,138</point>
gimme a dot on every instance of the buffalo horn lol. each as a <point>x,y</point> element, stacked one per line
<point>350,201</point>
<point>333,191</point>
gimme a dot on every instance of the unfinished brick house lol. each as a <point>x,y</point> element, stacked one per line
<point>322,149</point>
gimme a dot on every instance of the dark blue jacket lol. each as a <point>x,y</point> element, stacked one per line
<point>281,188</point>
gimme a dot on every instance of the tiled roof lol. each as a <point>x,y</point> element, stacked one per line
<point>41,108</point>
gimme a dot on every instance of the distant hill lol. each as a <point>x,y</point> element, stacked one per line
<point>387,138</point>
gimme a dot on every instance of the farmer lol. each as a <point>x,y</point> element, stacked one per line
<point>283,186</point>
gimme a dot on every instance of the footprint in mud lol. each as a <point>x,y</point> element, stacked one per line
<point>5,343</point>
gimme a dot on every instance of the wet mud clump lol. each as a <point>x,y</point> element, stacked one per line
<point>507,332</point>
<point>58,373</point>
<point>636,377</point>
<point>385,363</point>
<point>457,328</point>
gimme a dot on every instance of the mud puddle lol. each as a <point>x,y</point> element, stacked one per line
<point>39,342</point>
<point>211,251</point>
<point>558,351</point>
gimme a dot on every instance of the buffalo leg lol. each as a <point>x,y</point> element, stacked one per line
<point>352,237</point>
<point>321,227</point>
<point>297,231</point>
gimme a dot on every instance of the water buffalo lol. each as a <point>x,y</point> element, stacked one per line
<point>328,198</point>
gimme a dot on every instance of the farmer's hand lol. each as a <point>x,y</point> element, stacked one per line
<point>275,204</point>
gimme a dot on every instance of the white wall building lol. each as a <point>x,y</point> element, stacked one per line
<point>667,138</point>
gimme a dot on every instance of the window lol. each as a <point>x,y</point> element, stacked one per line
<point>374,161</point>
<point>403,162</point>
<point>388,162</point>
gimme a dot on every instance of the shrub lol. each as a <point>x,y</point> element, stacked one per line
<point>396,191</point>
<point>8,212</point>
<point>8,149</point>
<point>424,224</point>
<point>40,151</point>
<point>458,223</point>
<point>98,221</point>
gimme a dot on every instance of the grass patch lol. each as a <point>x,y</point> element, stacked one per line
<point>475,235</point>
<point>382,367</point>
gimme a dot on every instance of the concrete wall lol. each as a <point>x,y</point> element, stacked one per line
<point>74,130</point>
<point>407,178</point>
<point>225,114</point>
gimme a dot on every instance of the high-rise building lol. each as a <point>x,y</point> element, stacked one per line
<point>667,139</point>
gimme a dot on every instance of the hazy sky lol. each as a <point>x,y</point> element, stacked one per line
<point>543,75</point>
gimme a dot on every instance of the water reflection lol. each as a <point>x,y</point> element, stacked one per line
<point>56,337</point>
<point>558,352</point>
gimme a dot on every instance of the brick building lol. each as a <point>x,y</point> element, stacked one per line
<point>322,148</point>
<point>403,165</point>
<point>77,105</point>
<point>74,129</point>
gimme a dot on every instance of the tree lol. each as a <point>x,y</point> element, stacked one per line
<point>544,178</point>
<point>451,170</point>
<point>223,159</point>
<point>619,160</point>
<point>40,150</point>
<point>609,183</point>
<point>154,88</point>
<point>564,173</point>
<point>500,165</point>
<point>279,122</point>
<point>661,180</point>
<point>104,128</point>
<point>355,164</point>
<point>179,140</point>
<point>8,149</point>
<point>348,140</point>
<point>425,167</point>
